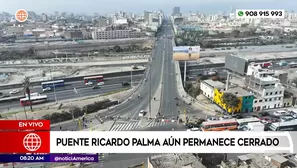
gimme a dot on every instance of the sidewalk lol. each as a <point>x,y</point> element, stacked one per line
<point>188,99</point>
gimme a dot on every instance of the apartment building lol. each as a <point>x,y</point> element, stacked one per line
<point>207,87</point>
<point>267,86</point>
<point>268,91</point>
<point>116,34</point>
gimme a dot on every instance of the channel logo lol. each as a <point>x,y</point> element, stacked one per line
<point>32,142</point>
<point>21,15</point>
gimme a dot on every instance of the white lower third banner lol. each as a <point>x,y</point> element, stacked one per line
<point>172,142</point>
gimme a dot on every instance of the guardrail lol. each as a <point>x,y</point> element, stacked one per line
<point>79,78</point>
<point>11,98</point>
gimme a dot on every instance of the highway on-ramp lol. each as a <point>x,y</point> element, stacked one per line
<point>131,108</point>
<point>149,85</point>
<point>169,106</point>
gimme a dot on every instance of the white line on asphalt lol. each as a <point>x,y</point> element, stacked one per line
<point>115,127</point>
<point>119,127</point>
<point>130,126</point>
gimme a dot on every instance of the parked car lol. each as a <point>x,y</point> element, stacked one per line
<point>237,116</point>
<point>280,113</point>
<point>263,114</point>
<point>211,118</point>
<point>15,91</point>
<point>286,118</point>
<point>225,117</point>
<point>46,89</point>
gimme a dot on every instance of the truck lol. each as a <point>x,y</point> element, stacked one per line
<point>255,126</point>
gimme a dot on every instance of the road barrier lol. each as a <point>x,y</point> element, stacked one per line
<point>79,78</point>
<point>11,98</point>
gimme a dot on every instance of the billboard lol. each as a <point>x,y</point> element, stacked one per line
<point>236,64</point>
<point>185,53</point>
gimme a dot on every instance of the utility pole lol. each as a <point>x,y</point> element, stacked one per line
<point>150,94</point>
<point>25,113</point>
<point>131,79</point>
<point>56,100</point>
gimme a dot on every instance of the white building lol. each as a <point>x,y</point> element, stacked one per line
<point>268,91</point>
<point>116,34</point>
<point>121,21</point>
<point>207,87</point>
<point>258,69</point>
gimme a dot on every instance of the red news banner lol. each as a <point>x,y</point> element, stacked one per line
<point>24,136</point>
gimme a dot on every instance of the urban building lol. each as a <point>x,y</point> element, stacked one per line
<point>77,35</point>
<point>44,17</point>
<point>176,11</point>
<point>257,161</point>
<point>37,32</point>
<point>245,100</point>
<point>146,16</point>
<point>174,161</point>
<point>268,91</point>
<point>15,30</point>
<point>207,87</point>
<point>102,22</point>
<point>32,15</point>
<point>116,34</point>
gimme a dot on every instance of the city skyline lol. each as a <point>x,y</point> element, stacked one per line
<point>84,7</point>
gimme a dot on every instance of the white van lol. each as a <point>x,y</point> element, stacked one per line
<point>280,113</point>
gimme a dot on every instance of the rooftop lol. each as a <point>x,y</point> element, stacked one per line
<point>249,161</point>
<point>214,84</point>
<point>268,78</point>
<point>239,92</point>
<point>279,158</point>
<point>175,161</point>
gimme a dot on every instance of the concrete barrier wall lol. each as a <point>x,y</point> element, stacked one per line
<point>79,78</point>
<point>75,45</point>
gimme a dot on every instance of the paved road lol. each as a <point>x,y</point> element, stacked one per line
<point>169,107</point>
<point>79,84</point>
<point>134,105</point>
<point>68,94</point>
<point>132,108</point>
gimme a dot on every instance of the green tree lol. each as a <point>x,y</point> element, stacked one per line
<point>31,51</point>
<point>235,33</point>
<point>26,87</point>
<point>188,86</point>
<point>244,25</point>
<point>117,48</point>
<point>230,100</point>
<point>194,91</point>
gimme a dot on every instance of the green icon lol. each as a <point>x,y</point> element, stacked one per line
<point>240,13</point>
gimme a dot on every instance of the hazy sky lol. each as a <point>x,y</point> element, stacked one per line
<point>138,6</point>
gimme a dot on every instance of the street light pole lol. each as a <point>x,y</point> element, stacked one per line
<point>56,100</point>
<point>150,94</point>
<point>131,79</point>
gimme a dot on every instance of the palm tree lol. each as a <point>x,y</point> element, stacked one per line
<point>26,86</point>
<point>230,100</point>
